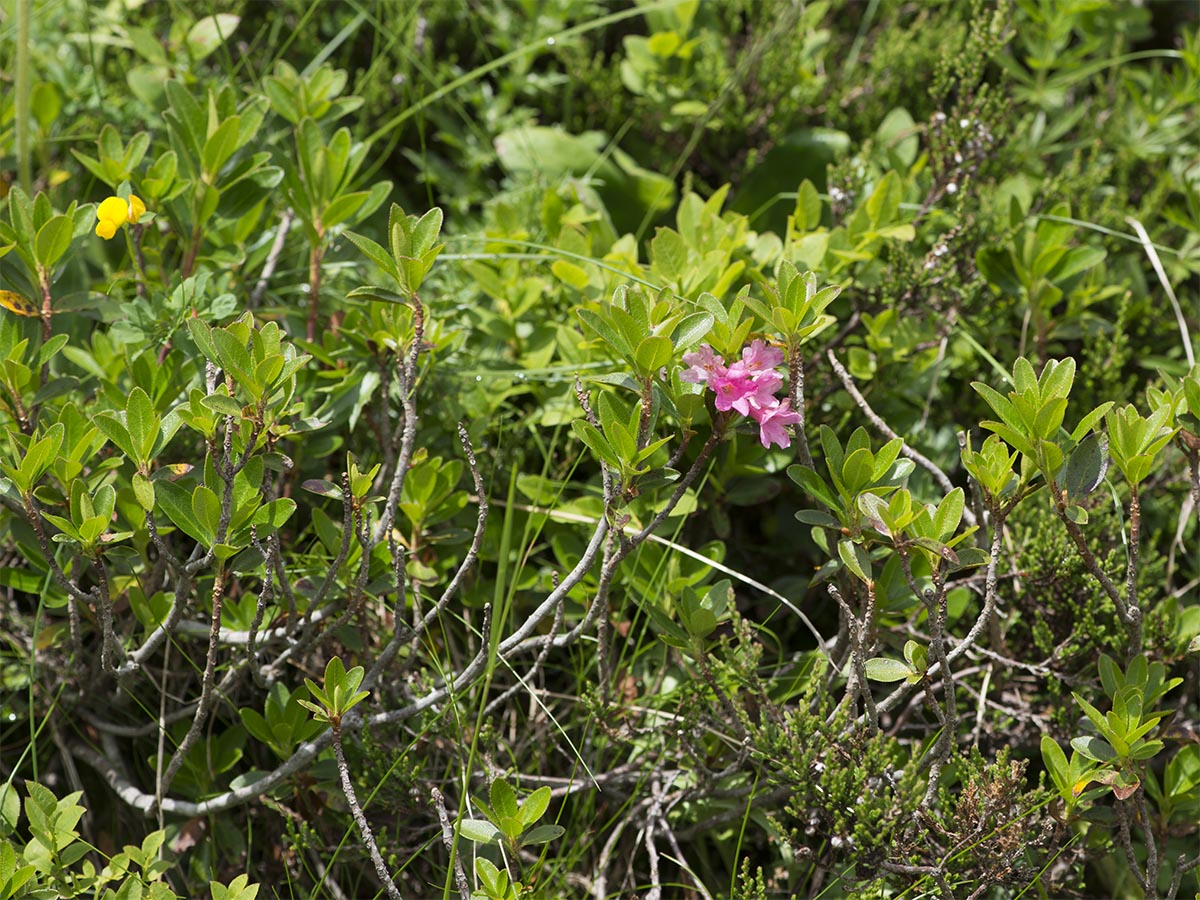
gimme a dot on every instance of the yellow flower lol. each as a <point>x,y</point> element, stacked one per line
<point>113,212</point>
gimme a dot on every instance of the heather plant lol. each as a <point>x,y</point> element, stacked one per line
<point>525,450</point>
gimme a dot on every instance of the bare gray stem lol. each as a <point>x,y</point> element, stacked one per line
<point>364,827</point>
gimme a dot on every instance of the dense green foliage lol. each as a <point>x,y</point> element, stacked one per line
<point>552,448</point>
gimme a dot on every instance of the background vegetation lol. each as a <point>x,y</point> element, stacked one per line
<point>372,524</point>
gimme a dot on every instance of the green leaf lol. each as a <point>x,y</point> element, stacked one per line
<point>161,175</point>
<point>668,631</point>
<point>603,328</point>
<point>383,295</point>
<point>1146,749</point>
<point>1076,514</point>
<point>876,509</point>
<point>479,831</point>
<point>1086,467</point>
<point>1094,714</point>
<point>10,809</point>
<point>1049,418</point>
<point>699,622</point>
<point>22,579</point>
<point>323,487</point>
<point>1017,439</point>
<point>206,511</point>
<point>1110,675</point>
<point>814,485</point>
<point>832,448</point>
<point>335,676</point>
<point>669,253</point>
<point>856,560</point>
<point>570,274</point>
<point>949,514</point>
<point>142,424</point>
<point>858,470</point>
<point>342,208</point>
<point>653,353</point>
<point>319,712</point>
<point>143,490</point>
<point>881,668</point>
<point>426,231</point>
<point>51,348</point>
<point>807,214</point>
<point>1056,761</point>
<point>817,517</point>
<point>282,99</point>
<point>46,103</point>
<point>916,656</point>
<point>272,516</point>
<point>511,827</point>
<point>884,202</point>
<point>175,501</point>
<point>535,806</point>
<point>596,442</point>
<point>1002,407</point>
<point>209,33</point>
<point>38,458</point>
<point>237,890</point>
<point>885,458</point>
<point>222,404</point>
<point>234,358</point>
<point>543,834</point>
<point>692,329</point>
<point>504,801</point>
<point>202,334</point>
<point>1024,378</point>
<point>493,879</point>
<point>20,214</point>
<point>375,253</point>
<point>54,239</point>
<point>1076,260</point>
<point>1057,378</point>
<point>903,232</point>
<point>1094,748</point>
<point>221,145</point>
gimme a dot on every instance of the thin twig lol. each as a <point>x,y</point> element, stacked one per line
<point>1183,865</point>
<point>183,590</point>
<point>460,877</point>
<point>206,690</point>
<point>524,680</point>
<point>268,269</point>
<point>989,607</point>
<point>1126,842</point>
<point>857,685</point>
<point>1131,616</point>
<point>364,827</point>
<point>796,391</point>
<point>652,816</point>
<point>406,379</point>
<point>1150,842</point>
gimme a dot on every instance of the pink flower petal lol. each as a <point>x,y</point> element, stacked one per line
<point>772,423</point>
<point>703,365</point>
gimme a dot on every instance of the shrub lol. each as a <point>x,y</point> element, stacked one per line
<point>721,470</point>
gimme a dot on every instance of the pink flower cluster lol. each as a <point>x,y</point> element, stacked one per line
<point>747,387</point>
